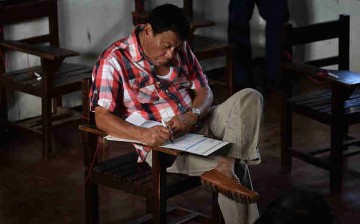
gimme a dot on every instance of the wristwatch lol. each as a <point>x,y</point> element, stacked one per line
<point>196,111</point>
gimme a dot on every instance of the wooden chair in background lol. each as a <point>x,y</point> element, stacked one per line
<point>49,81</point>
<point>336,105</point>
<point>124,173</point>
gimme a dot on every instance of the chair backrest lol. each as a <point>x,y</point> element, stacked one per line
<point>88,116</point>
<point>339,29</point>
<point>21,12</point>
<point>140,15</point>
<point>28,11</point>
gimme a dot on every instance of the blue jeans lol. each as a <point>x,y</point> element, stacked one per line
<point>275,13</point>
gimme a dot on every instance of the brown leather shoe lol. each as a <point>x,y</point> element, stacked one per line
<point>215,181</point>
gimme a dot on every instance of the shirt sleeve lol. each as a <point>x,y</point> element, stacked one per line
<point>106,88</point>
<point>196,75</point>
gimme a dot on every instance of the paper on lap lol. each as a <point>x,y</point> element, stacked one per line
<point>192,143</point>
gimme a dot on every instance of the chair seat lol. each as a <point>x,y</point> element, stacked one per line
<point>124,173</point>
<point>206,47</point>
<point>62,116</point>
<point>222,77</point>
<point>318,106</point>
<point>67,79</point>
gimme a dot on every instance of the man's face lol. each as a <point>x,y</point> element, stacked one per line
<point>161,48</point>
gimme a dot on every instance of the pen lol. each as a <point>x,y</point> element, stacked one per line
<point>171,132</point>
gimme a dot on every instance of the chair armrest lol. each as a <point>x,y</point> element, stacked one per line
<point>299,68</point>
<point>344,78</point>
<point>43,51</point>
<point>92,129</point>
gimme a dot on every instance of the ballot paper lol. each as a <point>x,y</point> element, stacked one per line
<point>196,143</point>
<point>189,142</point>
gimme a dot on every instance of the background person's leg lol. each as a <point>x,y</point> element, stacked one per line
<point>240,13</point>
<point>275,13</point>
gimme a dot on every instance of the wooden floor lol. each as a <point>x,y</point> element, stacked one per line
<point>36,191</point>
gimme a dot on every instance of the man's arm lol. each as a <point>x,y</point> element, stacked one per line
<point>203,100</point>
<point>203,94</point>
<point>117,127</point>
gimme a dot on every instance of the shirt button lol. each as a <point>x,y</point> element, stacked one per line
<point>179,104</point>
<point>167,91</point>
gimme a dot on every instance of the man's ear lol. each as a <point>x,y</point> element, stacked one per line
<point>148,29</point>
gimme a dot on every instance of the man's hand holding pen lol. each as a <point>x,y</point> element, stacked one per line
<point>154,136</point>
<point>157,135</point>
<point>169,128</point>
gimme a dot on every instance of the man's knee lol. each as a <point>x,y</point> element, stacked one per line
<point>249,94</point>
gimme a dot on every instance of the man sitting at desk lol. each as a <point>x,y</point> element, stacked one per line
<point>151,73</point>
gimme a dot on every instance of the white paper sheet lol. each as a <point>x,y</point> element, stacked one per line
<point>196,144</point>
<point>192,143</point>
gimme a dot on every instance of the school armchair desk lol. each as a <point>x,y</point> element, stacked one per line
<point>336,101</point>
<point>49,81</point>
<point>124,173</point>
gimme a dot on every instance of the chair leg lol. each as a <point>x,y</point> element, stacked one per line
<point>286,135</point>
<point>338,127</point>
<point>217,217</point>
<point>336,162</point>
<point>3,109</point>
<point>46,126</point>
<point>91,202</point>
<point>90,143</point>
<point>159,178</point>
<point>149,205</point>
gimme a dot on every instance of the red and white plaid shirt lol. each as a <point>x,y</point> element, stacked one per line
<point>124,82</point>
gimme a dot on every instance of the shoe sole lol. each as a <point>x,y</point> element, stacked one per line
<point>229,194</point>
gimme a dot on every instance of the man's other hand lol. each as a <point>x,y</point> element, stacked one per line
<point>182,123</point>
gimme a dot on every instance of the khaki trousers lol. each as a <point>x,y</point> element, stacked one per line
<point>237,120</point>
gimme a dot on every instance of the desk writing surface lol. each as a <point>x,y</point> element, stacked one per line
<point>345,78</point>
<point>189,142</point>
<point>348,78</point>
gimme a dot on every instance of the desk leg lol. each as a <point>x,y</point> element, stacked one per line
<point>337,138</point>
<point>286,132</point>
<point>159,179</point>
<point>46,118</point>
